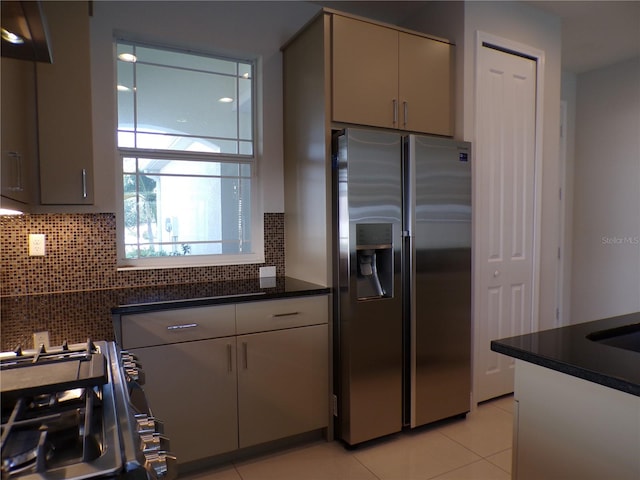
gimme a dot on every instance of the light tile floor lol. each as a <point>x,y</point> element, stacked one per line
<point>475,448</point>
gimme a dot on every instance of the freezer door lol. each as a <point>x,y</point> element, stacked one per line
<point>369,310</point>
<point>440,291</point>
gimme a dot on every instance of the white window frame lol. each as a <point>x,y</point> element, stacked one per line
<point>257,214</point>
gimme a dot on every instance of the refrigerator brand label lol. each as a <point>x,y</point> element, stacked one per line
<point>463,156</point>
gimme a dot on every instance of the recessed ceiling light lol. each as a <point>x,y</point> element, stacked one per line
<point>128,57</point>
<point>12,37</point>
<point>123,88</point>
<point>225,100</point>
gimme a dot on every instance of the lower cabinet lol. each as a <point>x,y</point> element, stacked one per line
<point>192,388</point>
<point>282,383</point>
<point>216,395</point>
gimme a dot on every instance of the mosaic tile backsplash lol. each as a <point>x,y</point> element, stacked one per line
<point>67,292</point>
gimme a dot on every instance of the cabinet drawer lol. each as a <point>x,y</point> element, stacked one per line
<point>278,314</point>
<point>177,325</point>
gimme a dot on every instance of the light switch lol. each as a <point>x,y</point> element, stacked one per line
<point>36,244</point>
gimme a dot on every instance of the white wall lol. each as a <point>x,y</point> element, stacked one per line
<point>235,28</point>
<point>606,216</point>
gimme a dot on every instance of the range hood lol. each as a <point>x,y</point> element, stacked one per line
<point>24,31</point>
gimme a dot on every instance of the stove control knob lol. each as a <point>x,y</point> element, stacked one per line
<point>149,424</point>
<point>153,442</point>
<point>164,465</point>
<point>134,372</point>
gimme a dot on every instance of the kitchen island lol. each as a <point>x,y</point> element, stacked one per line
<point>577,401</point>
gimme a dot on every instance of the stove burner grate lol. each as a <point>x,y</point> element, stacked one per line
<point>48,431</point>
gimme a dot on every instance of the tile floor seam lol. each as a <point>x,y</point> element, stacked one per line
<point>364,466</point>
<point>497,465</point>
<point>467,448</point>
<point>460,468</point>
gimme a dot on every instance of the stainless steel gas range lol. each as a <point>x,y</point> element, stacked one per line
<point>79,412</point>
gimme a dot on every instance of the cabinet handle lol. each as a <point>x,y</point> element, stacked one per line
<point>245,356</point>
<point>395,111</point>
<point>275,315</point>
<point>182,327</point>
<point>229,358</point>
<point>84,183</point>
<point>405,108</point>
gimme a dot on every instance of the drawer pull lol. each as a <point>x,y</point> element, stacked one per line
<point>182,327</point>
<point>275,315</point>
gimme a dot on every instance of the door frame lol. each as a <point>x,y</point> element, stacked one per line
<point>562,308</point>
<point>516,48</point>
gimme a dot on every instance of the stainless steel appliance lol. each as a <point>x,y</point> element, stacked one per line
<point>403,223</point>
<point>78,412</point>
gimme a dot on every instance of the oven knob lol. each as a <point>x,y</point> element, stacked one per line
<point>128,354</point>
<point>164,465</point>
<point>135,373</point>
<point>153,442</point>
<point>149,424</point>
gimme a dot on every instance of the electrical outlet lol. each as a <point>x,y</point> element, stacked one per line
<point>267,272</point>
<point>41,338</point>
<point>36,244</point>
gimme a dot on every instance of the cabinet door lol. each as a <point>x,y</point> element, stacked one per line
<point>192,387</point>
<point>282,383</point>
<point>425,85</point>
<point>64,108</point>
<point>364,73</point>
<point>19,147</point>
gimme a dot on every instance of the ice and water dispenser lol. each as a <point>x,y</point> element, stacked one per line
<point>374,258</point>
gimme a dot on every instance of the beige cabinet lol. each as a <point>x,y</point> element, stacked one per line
<point>188,356</point>
<point>389,78</point>
<point>19,140</point>
<point>282,383</point>
<point>192,388</point>
<point>65,134</point>
<point>231,376</point>
<point>283,374</point>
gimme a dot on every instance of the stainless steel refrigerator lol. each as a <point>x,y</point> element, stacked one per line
<point>403,308</point>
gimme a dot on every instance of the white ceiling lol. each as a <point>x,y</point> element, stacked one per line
<point>596,33</point>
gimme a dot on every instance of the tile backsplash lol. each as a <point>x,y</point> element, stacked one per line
<point>62,291</point>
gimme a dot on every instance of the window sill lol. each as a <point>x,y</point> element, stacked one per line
<point>189,261</point>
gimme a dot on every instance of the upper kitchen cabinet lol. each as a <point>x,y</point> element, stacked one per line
<point>65,135</point>
<point>385,77</point>
<point>19,138</point>
<point>340,70</point>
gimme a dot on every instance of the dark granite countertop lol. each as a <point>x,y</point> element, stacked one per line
<point>145,299</point>
<point>568,350</point>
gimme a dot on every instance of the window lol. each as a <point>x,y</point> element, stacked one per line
<point>186,143</point>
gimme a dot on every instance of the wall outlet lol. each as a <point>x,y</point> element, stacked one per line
<point>36,244</point>
<point>41,338</point>
<point>267,272</point>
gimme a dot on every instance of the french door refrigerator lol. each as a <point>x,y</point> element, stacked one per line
<point>403,303</point>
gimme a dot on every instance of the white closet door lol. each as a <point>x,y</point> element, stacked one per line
<point>504,212</point>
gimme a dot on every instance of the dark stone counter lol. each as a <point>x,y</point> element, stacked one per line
<point>76,316</point>
<point>147,299</point>
<point>570,351</point>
